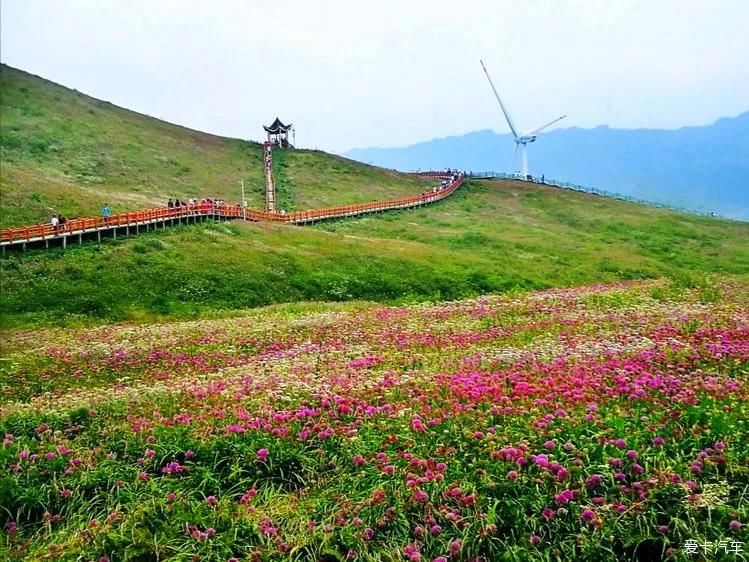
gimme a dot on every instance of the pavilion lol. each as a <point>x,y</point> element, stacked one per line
<point>278,133</point>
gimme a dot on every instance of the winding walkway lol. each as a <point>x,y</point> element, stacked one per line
<point>127,224</point>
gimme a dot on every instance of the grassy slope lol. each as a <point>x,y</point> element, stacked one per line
<point>63,151</point>
<point>490,237</point>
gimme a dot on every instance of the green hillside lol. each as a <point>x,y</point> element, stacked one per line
<point>63,151</point>
<point>489,237</point>
<point>67,152</point>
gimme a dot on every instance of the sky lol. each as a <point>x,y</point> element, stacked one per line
<point>352,74</point>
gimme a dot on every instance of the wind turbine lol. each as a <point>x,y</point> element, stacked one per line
<point>521,140</point>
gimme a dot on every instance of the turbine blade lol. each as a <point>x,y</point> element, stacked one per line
<point>536,131</point>
<point>501,105</point>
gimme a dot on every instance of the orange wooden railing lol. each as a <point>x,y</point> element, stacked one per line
<point>146,216</point>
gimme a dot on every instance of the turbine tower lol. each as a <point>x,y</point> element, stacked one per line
<point>523,139</point>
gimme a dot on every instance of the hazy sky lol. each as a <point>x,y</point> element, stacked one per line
<point>386,73</point>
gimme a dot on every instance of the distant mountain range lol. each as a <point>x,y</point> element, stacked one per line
<point>702,168</point>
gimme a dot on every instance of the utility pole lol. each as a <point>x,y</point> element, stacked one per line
<point>244,203</point>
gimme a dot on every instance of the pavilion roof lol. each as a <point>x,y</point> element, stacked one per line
<point>277,127</point>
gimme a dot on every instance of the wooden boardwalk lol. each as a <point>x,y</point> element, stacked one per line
<point>131,223</point>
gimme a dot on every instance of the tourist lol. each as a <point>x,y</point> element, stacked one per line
<point>170,205</point>
<point>55,222</point>
<point>62,221</point>
<point>106,212</point>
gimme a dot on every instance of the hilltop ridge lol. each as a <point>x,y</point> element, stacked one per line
<point>64,151</point>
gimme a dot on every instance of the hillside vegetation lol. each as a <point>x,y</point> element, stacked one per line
<point>489,237</point>
<point>63,151</point>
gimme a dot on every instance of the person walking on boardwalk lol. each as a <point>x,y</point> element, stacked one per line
<point>55,223</point>
<point>106,212</point>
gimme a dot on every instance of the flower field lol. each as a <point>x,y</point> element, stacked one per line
<point>596,423</point>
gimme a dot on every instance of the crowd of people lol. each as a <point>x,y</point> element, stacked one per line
<point>59,222</point>
<point>194,203</point>
<point>445,184</point>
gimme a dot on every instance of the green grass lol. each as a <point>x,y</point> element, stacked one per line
<point>490,237</point>
<point>65,152</point>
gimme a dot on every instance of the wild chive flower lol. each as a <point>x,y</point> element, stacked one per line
<point>593,481</point>
<point>564,497</point>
